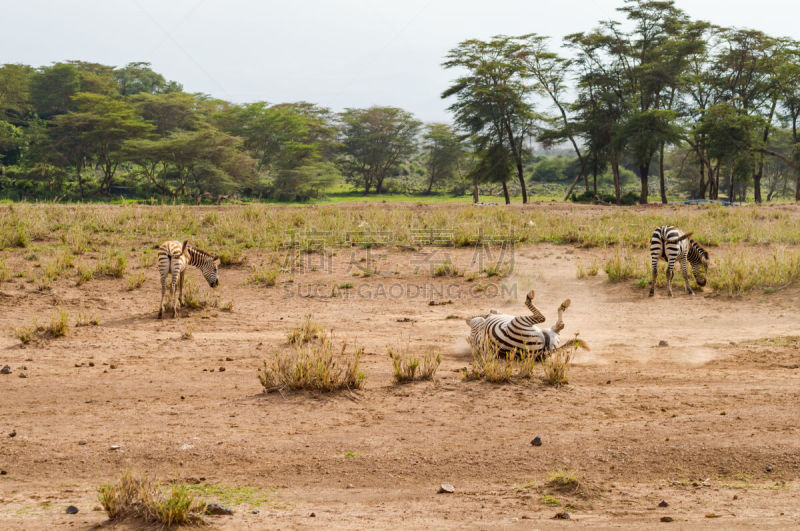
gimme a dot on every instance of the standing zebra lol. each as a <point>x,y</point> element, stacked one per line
<point>672,244</point>
<point>508,334</point>
<point>173,259</point>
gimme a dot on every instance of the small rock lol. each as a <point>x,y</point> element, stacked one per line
<point>186,446</point>
<point>183,397</point>
<point>735,496</point>
<point>91,364</point>
<point>312,515</point>
<point>114,447</point>
<point>663,503</point>
<point>537,441</point>
<point>608,382</point>
<point>112,366</point>
<point>23,375</point>
<point>3,472</point>
<point>562,516</point>
<point>221,369</point>
<point>768,468</point>
<point>713,515</point>
<point>254,511</point>
<point>663,343</point>
<point>228,358</point>
<point>97,508</point>
<point>72,510</point>
<point>446,488</point>
<point>666,518</point>
<point>5,370</point>
<point>81,442</point>
<point>13,433</point>
<point>350,486</point>
<point>217,509</point>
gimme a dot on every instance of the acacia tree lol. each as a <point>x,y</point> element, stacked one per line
<point>444,152</point>
<point>491,97</point>
<point>374,142</point>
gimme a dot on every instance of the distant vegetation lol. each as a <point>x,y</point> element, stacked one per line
<point>655,103</point>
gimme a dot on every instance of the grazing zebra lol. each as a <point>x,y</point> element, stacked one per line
<point>672,244</point>
<point>173,259</point>
<point>508,334</point>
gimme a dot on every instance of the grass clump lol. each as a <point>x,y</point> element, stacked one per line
<point>315,366</point>
<point>746,270</point>
<point>142,499</point>
<point>497,270</point>
<point>59,323</point>
<point>495,366</point>
<point>112,266</point>
<point>85,319</point>
<point>623,265</point>
<point>26,334</point>
<point>85,274</point>
<point>136,281</point>
<point>589,270</point>
<point>446,269</point>
<point>305,333</point>
<point>232,256</point>
<point>407,367</point>
<point>561,479</point>
<point>264,276</point>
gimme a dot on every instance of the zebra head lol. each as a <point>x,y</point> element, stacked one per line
<point>211,272</point>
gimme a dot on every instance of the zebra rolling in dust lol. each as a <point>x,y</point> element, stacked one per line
<point>173,259</point>
<point>509,334</point>
<point>672,244</point>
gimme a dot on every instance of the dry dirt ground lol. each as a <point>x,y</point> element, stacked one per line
<point>708,424</point>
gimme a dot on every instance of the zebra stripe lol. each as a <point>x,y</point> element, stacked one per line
<point>671,244</point>
<point>173,259</point>
<point>508,334</point>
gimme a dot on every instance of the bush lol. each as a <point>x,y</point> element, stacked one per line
<point>315,366</point>
<point>232,256</point>
<point>143,499</point>
<point>407,367</point>
<point>112,266</point>
<point>59,323</point>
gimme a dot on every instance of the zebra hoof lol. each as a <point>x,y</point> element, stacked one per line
<point>565,304</point>
<point>530,295</point>
<point>651,294</point>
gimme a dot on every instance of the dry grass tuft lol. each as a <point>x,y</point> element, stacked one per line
<point>446,269</point>
<point>136,281</point>
<point>85,319</point>
<point>624,265</point>
<point>314,366</point>
<point>263,276</point>
<point>492,365</point>
<point>142,499</point>
<point>407,367</point>
<point>307,332</point>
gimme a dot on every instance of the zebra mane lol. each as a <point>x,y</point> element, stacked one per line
<point>201,252</point>
<point>699,249</point>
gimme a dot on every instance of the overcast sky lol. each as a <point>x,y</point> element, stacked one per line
<point>337,53</point>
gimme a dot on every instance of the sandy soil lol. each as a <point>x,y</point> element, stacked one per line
<point>709,423</point>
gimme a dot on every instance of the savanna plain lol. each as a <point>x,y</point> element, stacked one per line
<point>706,422</point>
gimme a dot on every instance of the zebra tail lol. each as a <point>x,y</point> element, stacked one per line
<point>186,243</point>
<point>575,343</point>
<point>680,238</point>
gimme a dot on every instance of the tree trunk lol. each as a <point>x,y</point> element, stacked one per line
<point>594,176</point>
<point>615,171</point>
<point>757,181</point>
<point>505,193</point>
<point>731,198</point>
<point>701,186</point>
<point>475,197</point>
<point>644,173</point>
<point>661,183</point>
<point>518,160</point>
<point>797,188</point>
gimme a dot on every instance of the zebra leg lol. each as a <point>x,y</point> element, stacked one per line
<point>163,291</point>
<point>559,326</point>
<point>685,271</point>
<point>180,288</point>
<point>537,315</point>
<point>173,292</point>
<point>670,274</point>
<point>653,278</point>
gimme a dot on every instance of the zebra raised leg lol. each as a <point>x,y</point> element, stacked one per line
<point>538,317</point>
<point>559,326</point>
